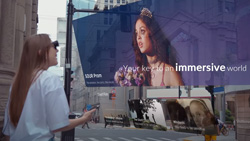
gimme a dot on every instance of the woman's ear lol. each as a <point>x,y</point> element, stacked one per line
<point>40,53</point>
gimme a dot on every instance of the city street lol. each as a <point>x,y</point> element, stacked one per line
<point>97,132</point>
<point>166,68</point>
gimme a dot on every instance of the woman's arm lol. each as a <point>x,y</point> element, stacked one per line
<point>75,122</point>
<point>218,129</point>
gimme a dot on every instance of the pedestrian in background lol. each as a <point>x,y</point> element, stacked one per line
<point>234,124</point>
<point>86,123</point>
<point>37,106</point>
<point>211,126</point>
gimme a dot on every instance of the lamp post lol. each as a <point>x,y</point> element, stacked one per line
<point>68,135</point>
<point>67,70</point>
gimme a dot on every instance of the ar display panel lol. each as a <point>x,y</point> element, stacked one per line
<point>147,113</point>
<point>191,46</point>
<point>191,115</point>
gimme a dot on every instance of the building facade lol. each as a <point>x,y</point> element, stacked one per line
<point>18,20</point>
<point>242,92</point>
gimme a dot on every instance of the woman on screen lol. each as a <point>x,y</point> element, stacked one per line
<point>154,55</point>
<point>204,119</point>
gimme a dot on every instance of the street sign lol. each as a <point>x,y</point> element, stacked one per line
<point>219,90</point>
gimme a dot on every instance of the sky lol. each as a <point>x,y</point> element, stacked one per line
<point>48,12</point>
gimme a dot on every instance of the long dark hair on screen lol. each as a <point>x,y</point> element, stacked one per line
<point>161,45</point>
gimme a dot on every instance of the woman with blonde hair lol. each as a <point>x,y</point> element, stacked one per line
<point>37,106</point>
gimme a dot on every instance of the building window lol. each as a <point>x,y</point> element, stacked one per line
<point>111,1</point>
<point>106,1</point>
<point>112,68</point>
<point>105,7</point>
<point>112,53</point>
<point>123,1</point>
<point>229,7</point>
<point>181,37</point>
<point>178,4</point>
<point>249,101</point>
<point>131,94</point>
<point>231,51</point>
<point>220,5</point>
<point>111,6</point>
<point>95,99</point>
<point>98,35</point>
<point>105,21</point>
<point>231,47</point>
<point>118,1</point>
<point>110,21</point>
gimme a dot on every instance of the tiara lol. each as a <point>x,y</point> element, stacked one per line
<point>146,12</point>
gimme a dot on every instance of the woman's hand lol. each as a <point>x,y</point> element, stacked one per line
<point>87,115</point>
<point>75,122</point>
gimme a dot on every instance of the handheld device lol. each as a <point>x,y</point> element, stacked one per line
<point>94,107</point>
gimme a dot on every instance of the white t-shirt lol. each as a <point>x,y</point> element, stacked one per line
<point>45,109</point>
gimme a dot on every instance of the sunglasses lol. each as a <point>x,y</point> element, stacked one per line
<point>56,44</point>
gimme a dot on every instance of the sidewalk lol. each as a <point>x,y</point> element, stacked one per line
<point>201,138</point>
